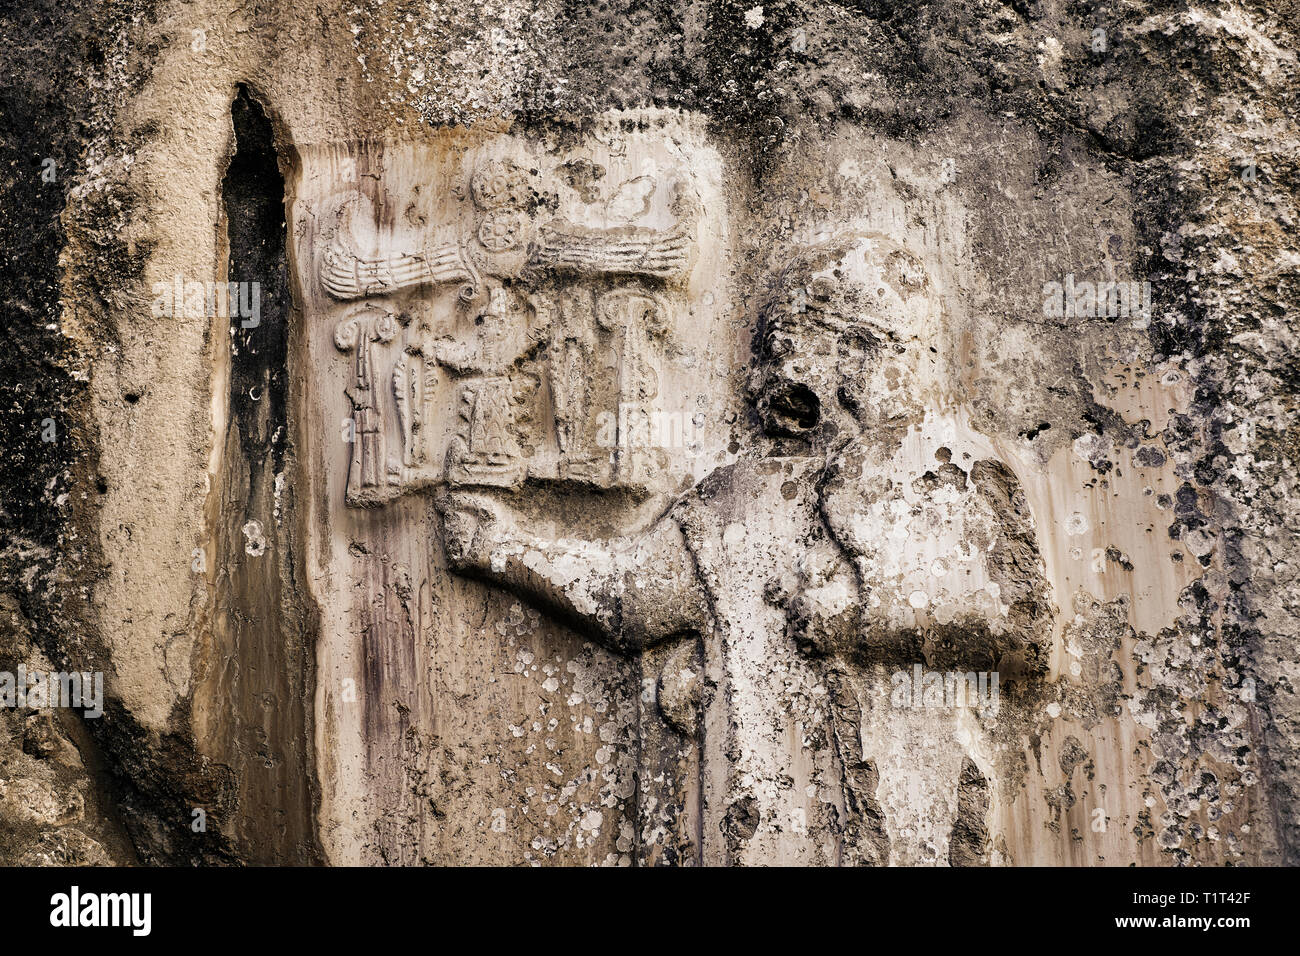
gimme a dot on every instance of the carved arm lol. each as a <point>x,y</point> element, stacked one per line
<point>628,593</point>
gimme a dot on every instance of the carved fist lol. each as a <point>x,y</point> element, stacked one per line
<point>469,528</point>
<point>824,620</point>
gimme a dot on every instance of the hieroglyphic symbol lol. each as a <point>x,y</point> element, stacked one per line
<point>357,333</point>
<point>414,380</point>
<point>627,250</point>
<point>572,352</point>
<point>348,273</point>
<point>501,190</point>
<point>485,450</point>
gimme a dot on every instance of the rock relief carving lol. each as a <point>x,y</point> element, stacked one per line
<point>538,323</point>
<point>871,564</point>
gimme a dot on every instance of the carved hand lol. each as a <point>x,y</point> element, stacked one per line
<point>469,526</point>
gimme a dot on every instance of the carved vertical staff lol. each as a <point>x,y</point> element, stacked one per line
<point>637,320</point>
<point>571,354</point>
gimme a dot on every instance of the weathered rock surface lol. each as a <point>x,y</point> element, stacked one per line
<point>723,433</point>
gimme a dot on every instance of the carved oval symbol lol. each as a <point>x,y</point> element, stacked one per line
<point>385,327</point>
<point>346,334</point>
<point>499,184</point>
<point>500,231</point>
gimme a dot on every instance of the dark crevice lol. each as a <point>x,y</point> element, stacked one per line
<point>258,707</point>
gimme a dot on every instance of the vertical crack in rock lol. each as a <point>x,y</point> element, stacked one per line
<point>253,706</point>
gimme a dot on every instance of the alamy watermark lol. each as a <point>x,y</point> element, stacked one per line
<point>637,427</point>
<point>924,689</point>
<point>74,908</point>
<point>46,689</point>
<point>1071,299</point>
<point>195,300</point>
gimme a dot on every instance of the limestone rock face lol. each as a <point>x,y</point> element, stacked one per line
<point>677,434</point>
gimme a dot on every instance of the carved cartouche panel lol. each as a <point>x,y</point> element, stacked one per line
<point>509,314</point>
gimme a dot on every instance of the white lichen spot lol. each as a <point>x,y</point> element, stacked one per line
<point>254,539</point>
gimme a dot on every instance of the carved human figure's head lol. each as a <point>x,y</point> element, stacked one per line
<point>852,363</point>
<point>844,340</point>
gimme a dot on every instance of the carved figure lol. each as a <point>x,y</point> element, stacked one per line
<point>864,565</point>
